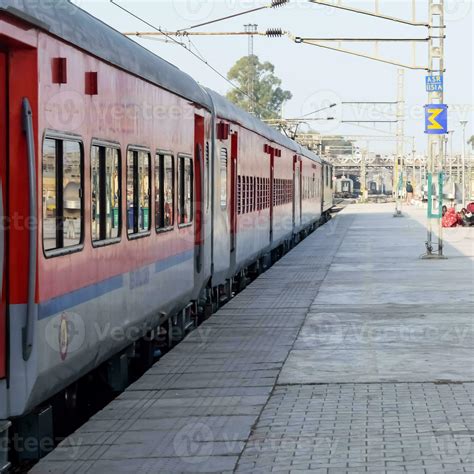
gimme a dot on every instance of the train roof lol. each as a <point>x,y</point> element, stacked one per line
<point>231,112</point>
<point>67,21</point>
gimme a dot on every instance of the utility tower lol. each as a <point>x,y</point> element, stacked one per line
<point>399,160</point>
<point>251,29</point>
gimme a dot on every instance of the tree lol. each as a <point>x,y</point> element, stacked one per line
<point>471,141</point>
<point>259,88</point>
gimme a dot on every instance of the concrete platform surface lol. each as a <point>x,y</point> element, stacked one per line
<point>350,355</point>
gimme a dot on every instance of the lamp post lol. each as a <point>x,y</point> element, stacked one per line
<point>463,164</point>
<point>451,157</point>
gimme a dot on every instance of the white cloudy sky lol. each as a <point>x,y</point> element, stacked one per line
<point>316,76</point>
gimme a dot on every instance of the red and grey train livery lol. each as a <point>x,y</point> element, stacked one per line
<point>128,192</point>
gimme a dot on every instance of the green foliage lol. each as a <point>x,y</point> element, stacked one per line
<point>268,96</point>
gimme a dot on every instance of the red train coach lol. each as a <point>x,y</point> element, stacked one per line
<point>132,198</point>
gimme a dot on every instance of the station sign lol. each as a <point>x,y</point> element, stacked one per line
<point>436,119</point>
<point>435,83</point>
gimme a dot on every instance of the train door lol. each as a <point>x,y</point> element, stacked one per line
<point>3,169</point>
<point>199,193</point>
<point>272,173</point>
<point>297,192</point>
<point>233,193</point>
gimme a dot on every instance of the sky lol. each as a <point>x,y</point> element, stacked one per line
<point>315,76</point>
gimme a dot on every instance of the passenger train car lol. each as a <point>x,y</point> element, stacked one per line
<point>132,197</point>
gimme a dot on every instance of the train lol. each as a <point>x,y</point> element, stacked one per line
<point>134,201</point>
<point>344,187</point>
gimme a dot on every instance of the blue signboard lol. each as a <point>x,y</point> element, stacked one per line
<point>434,83</point>
<point>436,119</point>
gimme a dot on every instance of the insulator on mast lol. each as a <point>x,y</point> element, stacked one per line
<point>279,3</point>
<point>274,32</point>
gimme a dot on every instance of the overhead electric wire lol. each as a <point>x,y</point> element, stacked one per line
<point>197,49</point>
<point>370,128</point>
<point>165,40</point>
<point>223,18</point>
<point>187,49</point>
<point>270,33</point>
<point>274,4</point>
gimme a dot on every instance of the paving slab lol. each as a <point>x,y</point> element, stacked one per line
<point>350,354</point>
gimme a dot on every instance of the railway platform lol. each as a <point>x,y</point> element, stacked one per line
<point>351,354</point>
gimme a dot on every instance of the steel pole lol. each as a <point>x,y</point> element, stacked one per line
<point>463,163</point>
<point>413,152</point>
<point>398,179</point>
<point>435,142</point>
<point>451,158</point>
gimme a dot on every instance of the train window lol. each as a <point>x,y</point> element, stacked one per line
<point>138,192</point>
<point>223,178</point>
<point>249,194</point>
<point>185,190</point>
<point>239,194</point>
<point>208,176</point>
<point>62,194</point>
<point>259,194</point>
<point>252,194</point>
<point>164,192</point>
<point>105,192</point>
<point>249,204</point>
<point>267,193</point>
